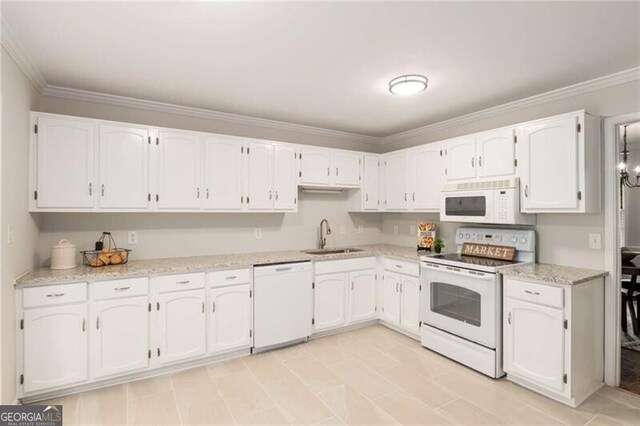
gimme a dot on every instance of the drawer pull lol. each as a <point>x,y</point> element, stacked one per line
<point>232,277</point>
<point>535,293</point>
<point>399,266</point>
<point>183,282</point>
<point>55,295</point>
<point>122,288</point>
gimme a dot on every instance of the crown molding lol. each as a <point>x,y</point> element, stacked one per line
<point>15,50</point>
<point>128,102</point>
<point>599,83</point>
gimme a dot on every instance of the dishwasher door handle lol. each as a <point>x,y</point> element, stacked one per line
<point>289,268</point>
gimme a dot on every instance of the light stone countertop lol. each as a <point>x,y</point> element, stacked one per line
<point>557,274</point>
<point>148,267</point>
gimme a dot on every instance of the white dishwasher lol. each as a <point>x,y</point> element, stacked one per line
<point>283,304</point>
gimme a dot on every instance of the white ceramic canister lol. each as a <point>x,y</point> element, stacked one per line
<point>63,255</point>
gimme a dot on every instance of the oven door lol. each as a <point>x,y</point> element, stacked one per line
<point>459,206</point>
<point>462,302</point>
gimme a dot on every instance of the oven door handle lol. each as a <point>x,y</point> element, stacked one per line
<point>486,276</point>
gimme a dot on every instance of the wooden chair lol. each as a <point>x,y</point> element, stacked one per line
<point>628,303</point>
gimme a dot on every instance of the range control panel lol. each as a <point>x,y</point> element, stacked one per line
<point>522,239</point>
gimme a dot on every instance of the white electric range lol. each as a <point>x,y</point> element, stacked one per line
<point>461,301</point>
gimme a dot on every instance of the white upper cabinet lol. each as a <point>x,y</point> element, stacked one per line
<point>260,185</point>
<point>326,167</point>
<point>315,166</point>
<point>460,158</point>
<point>554,155</point>
<point>124,167</point>
<point>425,177</point>
<point>285,177</point>
<point>64,175</point>
<point>370,183</point>
<point>179,162</point>
<point>223,173</point>
<point>496,154</point>
<point>397,180</point>
<point>346,168</point>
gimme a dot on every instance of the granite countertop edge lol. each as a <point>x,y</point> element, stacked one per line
<point>555,274</point>
<point>151,267</point>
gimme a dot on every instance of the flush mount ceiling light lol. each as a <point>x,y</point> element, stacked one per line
<point>408,84</point>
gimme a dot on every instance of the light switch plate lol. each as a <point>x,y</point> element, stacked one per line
<point>595,241</point>
<point>132,237</point>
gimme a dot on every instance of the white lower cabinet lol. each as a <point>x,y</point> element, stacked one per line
<point>400,300</point>
<point>362,295</point>
<point>55,346</point>
<point>329,301</point>
<point>180,325</point>
<point>390,309</point>
<point>230,318</point>
<point>553,337</point>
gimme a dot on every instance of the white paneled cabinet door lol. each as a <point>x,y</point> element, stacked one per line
<point>223,173</point>
<point>534,343</point>
<point>65,169</point>
<point>425,175</point>
<point>181,326</point>
<point>397,178</point>
<point>496,154</point>
<point>260,185</point>
<point>329,301</point>
<point>409,303</point>
<point>549,158</point>
<point>391,298</point>
<point>370,193</point>
<point>284,177</point>
<point>315,166</point>
<point>346,168</point>
<point>179,171</point>
<point>362,296</point>
<point>230,318</point>
<point>124,167</point>
<point>119,336</point>
<point>460,159</point>
<point>55,346</point>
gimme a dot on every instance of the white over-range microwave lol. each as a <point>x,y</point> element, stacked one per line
<point>495,201</point>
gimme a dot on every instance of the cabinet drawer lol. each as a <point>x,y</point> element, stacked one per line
<point>402,267</point>
<point>534,293</point>
<point>229,277</point>
<point>113,289</point>
<point>54,295</point>
<point>168,283</point>
<point>344,265</point>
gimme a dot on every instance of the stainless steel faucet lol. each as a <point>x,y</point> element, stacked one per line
<point>323,240</point>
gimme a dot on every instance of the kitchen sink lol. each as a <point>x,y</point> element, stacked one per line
<point>330,251</point>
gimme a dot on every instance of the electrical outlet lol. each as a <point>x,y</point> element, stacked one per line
<point>132,237</point>
<point>258,233</point>
<point>395,229</point>
<point>360,229</point>
<point>10,235</point>
<point>343,230</point>
<point>595,241</point>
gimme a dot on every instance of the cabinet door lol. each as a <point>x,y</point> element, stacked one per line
<point>346,168</point>
<point>329,301</point>
<point>179,171</point>
<point>391,298</point>
<point>181,325</point>
<point>496,153</point>
<point>223,173</point>
<point>65,170</point>
<point>124,167</point>
<point>55,346</point>
<point>549,158</point>
<point>425,171</point>
<point>362,295</point>
<point>260,172</point>
<point>460,159</point>
<point>410,303</point>
<point>284,177</point>
<point>119,336</point>
<point>315,166</point>
<point>397,178</point>
<point>230,318</point>
<point>534,343</point>
<point>370,182</point>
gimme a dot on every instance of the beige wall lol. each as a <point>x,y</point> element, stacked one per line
<point>562,238</point>
<point>18,98</point>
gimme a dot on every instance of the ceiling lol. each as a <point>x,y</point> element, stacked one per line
<point>327,64</point>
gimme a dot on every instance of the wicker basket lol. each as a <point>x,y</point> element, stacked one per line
<point>104,257</point>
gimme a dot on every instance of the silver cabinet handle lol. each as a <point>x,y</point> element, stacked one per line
<point>405,196</point>
<point>473,159</point>
<point>55,295</point>
<point>366,197</point>
<point>122,288</point>
<point>401,287</point>
<point>337,171</point>
<point>183,282</point>
<point>198,192</point>
<point>203,306</point>
<point>98,323</point>
<point>270,195</point>
<point>535,293</point>
<point>351,285</point>
<point>276,195</point>
<point>398,266</point>
<point>231,277</point>
<point>207,193</point>
<point>509,318</point>
<point>102,189</point>
<point>84,324</point>
<point>480,161</point>
<point>90,189</point>
<point>526,191</point>
<point>413,196</point>
<point>397,287</point>
<point>214,306</point>
<point>328,171</point>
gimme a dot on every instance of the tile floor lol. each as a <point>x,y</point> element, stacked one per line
<point>368,376</point>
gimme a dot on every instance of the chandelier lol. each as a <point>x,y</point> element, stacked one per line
<point>625,177</point>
